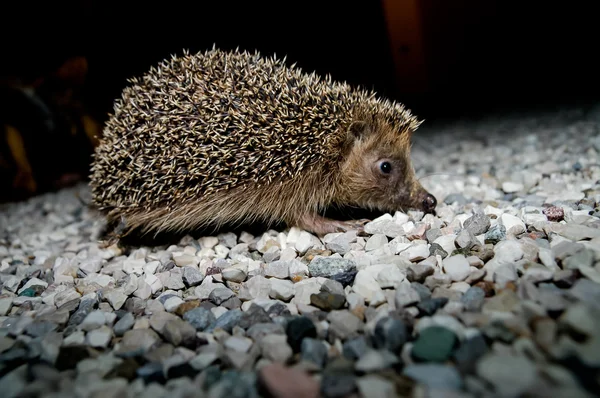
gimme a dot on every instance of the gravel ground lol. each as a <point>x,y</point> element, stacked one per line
<point>496,295</point>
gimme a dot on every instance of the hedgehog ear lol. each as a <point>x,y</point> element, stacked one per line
<point>358,129</point>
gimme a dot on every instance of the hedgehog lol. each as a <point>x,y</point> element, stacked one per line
<point>232,137</point>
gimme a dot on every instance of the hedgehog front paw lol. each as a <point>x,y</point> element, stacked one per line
<point>322,226</point>
<point>356,225</point>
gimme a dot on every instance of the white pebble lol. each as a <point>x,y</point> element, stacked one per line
<point>457,267</point>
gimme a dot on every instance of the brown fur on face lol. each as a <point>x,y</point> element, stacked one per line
<point>377,173</point>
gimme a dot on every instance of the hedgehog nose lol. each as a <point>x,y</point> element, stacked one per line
<point>429,203</point>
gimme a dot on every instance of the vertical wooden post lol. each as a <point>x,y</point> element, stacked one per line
<point>404,20</point>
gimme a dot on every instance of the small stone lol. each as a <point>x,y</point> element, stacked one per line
<point>457,267</point>
<point>582,259</point>
<point>282,382</point>
<point>416,252</point>
<point>417,272</point>
<point>40,328</point>
<point>538,274</point>
<point>256,287</point>
<point>253,315</point>
<point>184,260</point>
<point>390,276</point>
<point>124,324</point>
<point>505,301</point>
<point>473,299</point>
<point>343,323</point>
<point>475,276</point>
<point>130,266</point>
<point>5,305</point>
<point>465,240</point>
<point>431,305</point>
<point>238,343</point>
<point>446,242</point>
<point>281,289</point>
<point>297,270</point>
<point>495,234</point>
<point>333,287</point>
<point>505,273</point>
<point>509,375</point>
<point>192,276</point>
<point>144,290</point>
<point>345,278</point>
<point>33,282</point>
<point>565,278</point>
<point>512,187</point>
<point>423,291</point>
<point>219,295</point>
<point>385,225</point>
<point>99,337</point>
<point>406,296</point>
<point>366,285</point>
<point>437,250</point>
<point>355,348</point>
<point>477,224</point>
<point>208,242</point>
<point>306,241</point>
<point>172,303</point>
<point>277,269</point>
<point>275,348</point>
<point>390,334</point>
<point>338,384</point>
<point>116,298</point>
<point>314,351</point>
<point>328,266</point>
<point>475,261</point>
<point>375,242</point>
<point>327,301</point>
<point>200,318</point>
<point>206,287</point>
<point>65,296</point>
<point>513,225</point>
<point>226,321</point>
<point>339,242</point>
<point>234,274</point>
<point>374,386</point>
<point>298,329</point>
<point>586,291</point>
<point>434,344</point>
<point>435,376</point>
<point>469,352</point>
<point>93,320</point>
<point>376,360</point>
<point>554,213</point>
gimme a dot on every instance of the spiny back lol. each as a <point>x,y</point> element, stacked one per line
<point>198,124</point>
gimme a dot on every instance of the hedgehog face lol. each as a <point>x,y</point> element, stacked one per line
<point>377,172</point>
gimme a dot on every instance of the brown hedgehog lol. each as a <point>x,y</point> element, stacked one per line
<point>221,138</point>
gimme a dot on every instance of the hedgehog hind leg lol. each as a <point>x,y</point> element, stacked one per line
<point>322,225</point>
<point>113,231</point>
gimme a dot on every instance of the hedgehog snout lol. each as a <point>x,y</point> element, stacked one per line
<point>427,202</point>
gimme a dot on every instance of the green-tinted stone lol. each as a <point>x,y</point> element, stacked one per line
<point>495,234</point>
<point>29,292</point>
<point>434,344</point>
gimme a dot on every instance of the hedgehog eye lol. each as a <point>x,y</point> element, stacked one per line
<point>385,167</point>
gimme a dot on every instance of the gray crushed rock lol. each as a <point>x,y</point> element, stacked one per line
<point>498,294</point>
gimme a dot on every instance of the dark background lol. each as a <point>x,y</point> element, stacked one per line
<point>476,56</point>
